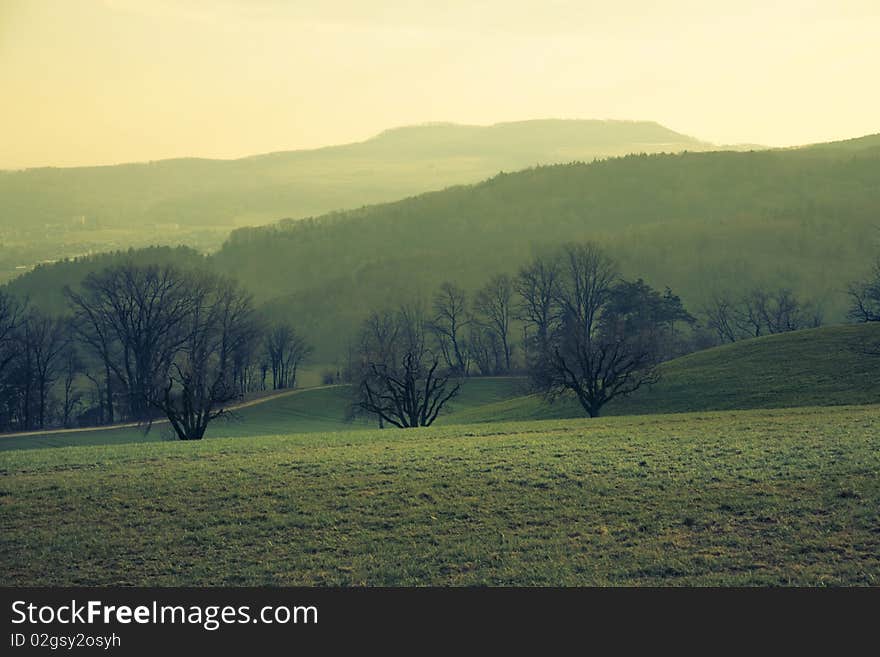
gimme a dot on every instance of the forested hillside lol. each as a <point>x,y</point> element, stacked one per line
<point>698,222</point>
<point>53,213</point>
<point>268,187</point>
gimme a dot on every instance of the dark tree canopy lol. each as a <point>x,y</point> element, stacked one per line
<point>604,340</point>
<point>173,341</point>
<point>133,315</point>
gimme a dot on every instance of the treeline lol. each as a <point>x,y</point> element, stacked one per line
<point>140,342</point>
<point>697,222</point>
<point>799,220</point>
<point>584,330</point>
<point>569,321</point>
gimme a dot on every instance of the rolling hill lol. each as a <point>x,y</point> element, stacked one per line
<point>697,222</point>
<point>52,213</point>
<point>264,188</point>
<point>815,367</point>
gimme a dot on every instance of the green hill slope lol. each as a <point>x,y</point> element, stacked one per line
<point>697,222</point>
<point>816,367</point>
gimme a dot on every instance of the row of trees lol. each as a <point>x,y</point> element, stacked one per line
<point>765,312</point>
<point>151,340</point>
<point>586,330</point>
<point>140,342</point>
<point>759,312</point>
<point>38,367</point>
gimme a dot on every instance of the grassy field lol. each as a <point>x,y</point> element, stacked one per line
<point>768,497</point>
<point>815,367</point>
<point>301,411</point>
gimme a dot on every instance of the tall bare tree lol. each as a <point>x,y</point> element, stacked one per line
<point>10,317</point>
<point>71,367</point>
<point>450,324</point>
<point>286,350</point>
<point>401,381</point>
<point>493,306</point>
<point>43,341</point>
<point>200,383</point>
<point>721,315</point>
<point>90,327</point>
<point>537,285</point>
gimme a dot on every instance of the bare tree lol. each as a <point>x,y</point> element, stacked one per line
<point>10,318</point>
<point>781,311</point>
<point>376,343</point>
<point>401,381</point>
<point>247,365</point>
<point>494,308</point>
<point>759,312</point>
<point>93,331</point>
<point>286,350</point>
<point>451,320</point>
<point>599,350</point>
<point>484,349</point>
<point>537,285</point>
<point>43,340</point>
<point>70,368</point>
<point>721,317</point>
<point>865,297</point>
<point>200,383</point>
<point>135,314</point>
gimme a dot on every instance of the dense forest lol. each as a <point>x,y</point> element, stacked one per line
<point>700,223</point>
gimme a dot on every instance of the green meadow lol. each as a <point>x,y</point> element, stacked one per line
<point>766,497</point>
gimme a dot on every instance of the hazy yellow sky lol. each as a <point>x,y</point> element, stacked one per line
<point>92,81</point>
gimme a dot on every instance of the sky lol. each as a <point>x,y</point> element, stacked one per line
<point>86,82</point>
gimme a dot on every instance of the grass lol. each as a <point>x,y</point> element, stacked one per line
<point>304,411</point>
<point>815,367</point>
<point>768,497</point>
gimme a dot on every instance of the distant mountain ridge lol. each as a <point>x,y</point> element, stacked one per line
<point>263,188</point>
